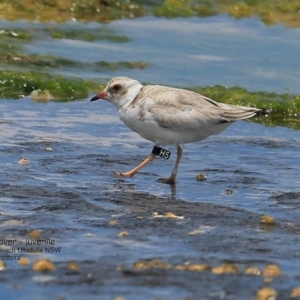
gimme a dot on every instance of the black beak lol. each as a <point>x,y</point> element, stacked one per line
<point>95,98</point>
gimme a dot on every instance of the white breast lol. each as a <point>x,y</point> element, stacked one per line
<point>144,123</point>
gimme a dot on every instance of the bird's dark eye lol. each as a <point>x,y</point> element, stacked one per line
<point>116,88</point>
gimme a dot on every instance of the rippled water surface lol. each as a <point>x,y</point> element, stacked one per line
<point>68,190</point>
<point>188,52</point>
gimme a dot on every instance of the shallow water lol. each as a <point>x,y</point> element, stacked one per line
<point>69,191</point>
<point>256,161</point>
<point>193,52</point>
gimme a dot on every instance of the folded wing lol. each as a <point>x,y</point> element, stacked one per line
<point>182,110</point>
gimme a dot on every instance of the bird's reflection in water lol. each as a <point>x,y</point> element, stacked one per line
<point>173,191</point>
<point>157,189</point>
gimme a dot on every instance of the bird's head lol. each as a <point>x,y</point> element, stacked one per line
<point>119,91</point>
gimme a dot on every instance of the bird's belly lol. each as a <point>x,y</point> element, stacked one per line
<point>149,129</point>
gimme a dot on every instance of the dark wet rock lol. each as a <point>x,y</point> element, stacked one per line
<point>287,198</point>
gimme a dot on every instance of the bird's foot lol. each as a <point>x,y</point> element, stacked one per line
<point>169,180</point>
<point>126,174</point>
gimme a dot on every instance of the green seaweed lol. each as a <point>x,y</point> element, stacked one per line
<point>270,12</point>
<point>7,48</point>
<point>113,66</point>
<point>36,60</point>
<point>88,35</point>
<point>284,107</point>
<point>14,85</point>
<point>76,10</point>
<point>41,61</point>
<point>11,40</point>
<point>16,34</point>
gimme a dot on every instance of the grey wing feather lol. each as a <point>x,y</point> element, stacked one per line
<point>181,109</point>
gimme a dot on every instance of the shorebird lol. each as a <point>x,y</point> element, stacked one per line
<point>170,116</point>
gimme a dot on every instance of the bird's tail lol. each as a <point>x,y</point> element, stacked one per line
<point>263,112</point>
<point>235,112</point>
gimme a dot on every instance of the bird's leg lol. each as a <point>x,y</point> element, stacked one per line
<point>172,178</point>
<point>136,169</point>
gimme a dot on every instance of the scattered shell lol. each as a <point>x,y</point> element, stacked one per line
<point>90,234</point>
<point>225,268</point>
<point>24,161</point>
<point>271,270</point>
<point>139,217</point>
<point>166,215</point>
<point>253,271</point>
<point>113,222</point>
<point>229,192</point>
<point>23,261</point>
<point>43,265</point>
<point>202,229</point>
<point>73,266</point>
<point>192,267</point>
<point>171,215</point>
<point>197,231</point>
<point>42,279</point>
<point>266,293</point>
<point>138,265</point>
<point>268,220</point>
<point>35,234</point>
<point>156,215</point>
<point>48,149</point>
<point>201,177</point>
<point>295,293</point>
<point>123,233</point>
<point>2,265</point>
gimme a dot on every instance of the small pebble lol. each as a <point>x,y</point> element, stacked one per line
<point>73,266</point>
<point>192,267</point>
<point>229,192</point>
<point>154,263</point>
<point>266,293</point>
<point>271,270</point>
<point>201,177</point>
<point>2,265</point>
<point>295,293</point>
<point>252,271</point>
<point>113,222</point>
<point>43,265</point>
<point>23,261</point>
<point>24,161</point>
<point>123,233</point>
<point>268,220</point>
<point>35,234</point>
<point>225,268</point>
